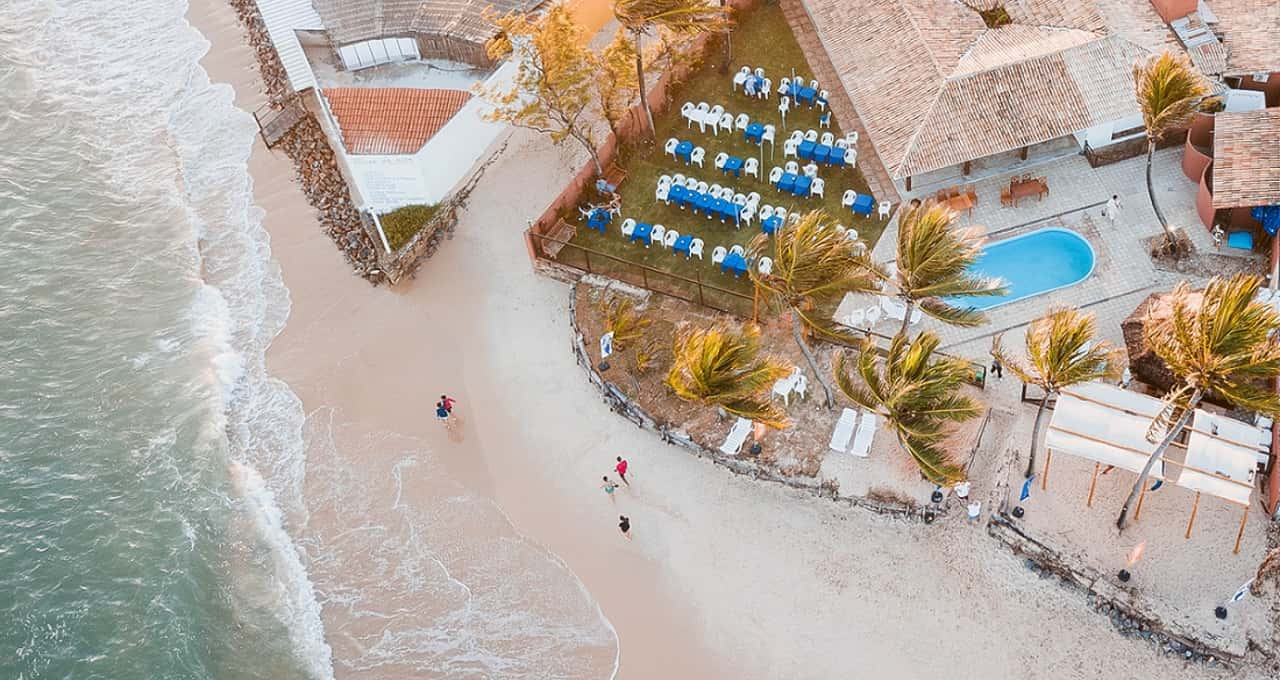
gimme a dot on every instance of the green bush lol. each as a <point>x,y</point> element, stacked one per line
<point>402,224</point>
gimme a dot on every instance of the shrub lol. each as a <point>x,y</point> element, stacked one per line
<point>402,224</point>
<point>623,320</point>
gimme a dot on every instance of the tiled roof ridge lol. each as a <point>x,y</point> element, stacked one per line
<point>908,149</point>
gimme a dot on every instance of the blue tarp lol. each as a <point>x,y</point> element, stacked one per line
<point>1269,216</point>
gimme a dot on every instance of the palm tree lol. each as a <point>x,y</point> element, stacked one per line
<point>1061,352</point>
<point>682,17</point>
<point>917,394</point>
<point>1220,342</point>
<point>933,265</point>
<point>721,367</point>
<point>813,267</point>
<point>1168,89</point>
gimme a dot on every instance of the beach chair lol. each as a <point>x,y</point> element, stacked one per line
<point>844,430</point>
<point>732,445</point>
<point>866,432</point>
<point>783,387</point>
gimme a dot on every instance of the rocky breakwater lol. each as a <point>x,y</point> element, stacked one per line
<point>317,168</point>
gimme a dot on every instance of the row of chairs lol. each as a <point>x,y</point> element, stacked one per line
<point>750,166</point>
<point>817,185</point>
<point>716,190</point>
<point>704,114</point>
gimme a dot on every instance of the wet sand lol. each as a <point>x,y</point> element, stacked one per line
<point>726,577</point>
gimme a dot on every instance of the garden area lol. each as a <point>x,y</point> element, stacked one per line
<point>761,39</point>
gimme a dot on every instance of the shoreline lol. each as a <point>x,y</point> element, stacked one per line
<point>725,578</point>
<point>330,305</point>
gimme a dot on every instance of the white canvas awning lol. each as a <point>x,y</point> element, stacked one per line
<point>1220,457</point>
<point>1106,424</point>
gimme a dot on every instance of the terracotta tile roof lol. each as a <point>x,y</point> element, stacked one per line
<point>351,21</point>
<point>935,87</point>
<point>1250,30</point>
<point>1246,158</point>
<point>391,120</point>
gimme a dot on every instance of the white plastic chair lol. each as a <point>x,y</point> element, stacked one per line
<point>813,84</point>
<point>670,239</point>
<point>662,194</point>
<point>751,168</point>
<point>797,136</point>
<point>628,227</point>
<point>840,229</point>
<point>775,174</point>
<point>687,111</point>
<point>664,180</point>
<point>716,111</point>
<point>748,214</point>
<point>794,217</point>
<point>816,187</point>
<point>740,199</point>
<point>714,190</point>
<point>851,156</point>
<point>753,198</point>
<point>759,72</point>
<point>765,266</point>
<point>790,148</point>
<point>656,235</point>
<point>801,387</point>
<point>691,183</point>
<point>677,178</point>
<point>851,138</point>
<point>811,136</point>
<point>718,254</point>
<point>824,121</point>
<point>780,212</point>
<point>784,85</point>
<point>851,234</point>
<point>740,77</point>
<point>737,248</point>
<point>721,159</point>
<point>842,144</point>
<point>792,167</point>
<point>700,187</point>
<point>846,201</point>
<point>700,115</point>
<point>741,122</point>
<point>695,248</point>
<point>811,170</point>
<point>766,211</point>
<point>821,101</point>
<point>768,136</point>
<point>670,146</point>
<point>828,139</point>
<point>766,88</point>
<point>726,122</point>
<point>885,208</point>
<point>698,155</point>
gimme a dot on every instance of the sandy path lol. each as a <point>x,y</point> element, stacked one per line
<point>776,583</point>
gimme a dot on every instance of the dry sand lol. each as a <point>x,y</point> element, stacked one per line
<point>726,577</point>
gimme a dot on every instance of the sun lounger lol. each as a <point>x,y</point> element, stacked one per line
<point>737,436</point>
<point>866,432</point>
<point>844,430</point>
<point>893,309</point>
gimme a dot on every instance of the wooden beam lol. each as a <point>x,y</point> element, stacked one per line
<point>1240,534</point>
<point>1023,153</point>
<point>1092,484</point>
<point>1192,522</point>
<point>1044,476</point>
<point>1141,495</point>
<point>908,183</point>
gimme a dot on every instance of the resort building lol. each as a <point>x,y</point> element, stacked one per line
<point>942,85</point>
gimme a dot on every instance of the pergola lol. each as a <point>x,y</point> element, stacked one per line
<point>1108,425</point>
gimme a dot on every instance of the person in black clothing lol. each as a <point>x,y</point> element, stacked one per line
<point>997,368</point>
<point>624,524</point>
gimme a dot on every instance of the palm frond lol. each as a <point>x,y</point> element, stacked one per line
<point>916,393</point>
<point>677,16</point>
<point>1061,351</point>
<point>1168,89</point>
<point>934,260</point>
<point>722,367</point>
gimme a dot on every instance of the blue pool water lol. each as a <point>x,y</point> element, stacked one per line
<point>1032,264</point>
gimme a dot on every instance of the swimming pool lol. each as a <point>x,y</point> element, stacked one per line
<point>1032,264</point>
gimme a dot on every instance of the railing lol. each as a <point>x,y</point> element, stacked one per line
<point>562,251</point>
<point>273,124</point>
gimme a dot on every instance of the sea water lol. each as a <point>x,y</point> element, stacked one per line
<point>152,473</point>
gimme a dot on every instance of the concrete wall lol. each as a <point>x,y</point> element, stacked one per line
<point>1204,197</point>
<point>1198,149</point>
<point>1099,136</point>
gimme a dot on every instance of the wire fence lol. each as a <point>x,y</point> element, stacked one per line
<point>559,249</point>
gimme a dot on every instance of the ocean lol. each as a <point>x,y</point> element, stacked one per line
<point>154,520</point>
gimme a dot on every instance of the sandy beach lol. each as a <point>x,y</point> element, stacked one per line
<point>725,577</point>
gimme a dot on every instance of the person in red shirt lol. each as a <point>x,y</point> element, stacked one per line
<point>621,469</point>
<point>448,403</point>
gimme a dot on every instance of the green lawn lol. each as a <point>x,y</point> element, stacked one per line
<point>762,39</point>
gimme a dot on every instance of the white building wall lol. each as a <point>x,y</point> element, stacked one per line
<point>1100,136</point>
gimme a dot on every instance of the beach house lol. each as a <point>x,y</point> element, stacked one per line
<point>943,85</point>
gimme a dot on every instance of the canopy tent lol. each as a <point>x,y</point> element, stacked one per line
<point>1108,425</point>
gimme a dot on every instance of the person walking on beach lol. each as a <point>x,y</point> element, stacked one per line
<point>442,414</point>
<point>621,469</point>
<point>448,403</point>
<point>997,368</point>
<point>609,487</point>
<point>624,524</point>
<point>1112,209</point>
